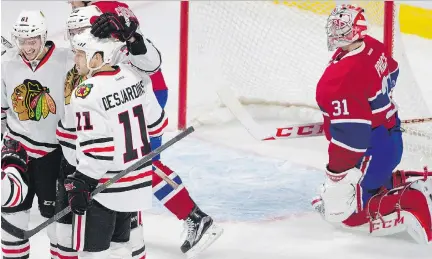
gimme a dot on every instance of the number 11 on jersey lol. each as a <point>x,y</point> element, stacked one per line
<point>125,119</point>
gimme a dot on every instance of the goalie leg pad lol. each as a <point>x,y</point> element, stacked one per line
<point>424,213</point>
<point>406,207</point>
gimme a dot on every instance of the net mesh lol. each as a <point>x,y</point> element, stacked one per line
<point>272,54</point>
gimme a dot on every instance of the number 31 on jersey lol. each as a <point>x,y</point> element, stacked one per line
<point>340,107</point>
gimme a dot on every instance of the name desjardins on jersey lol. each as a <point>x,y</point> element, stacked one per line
<point>125,95</point>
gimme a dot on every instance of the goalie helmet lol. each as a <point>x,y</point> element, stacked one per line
<point>345,25</point>
<point>91,45</point>
<point>80,19</point>
<point>28,25</point>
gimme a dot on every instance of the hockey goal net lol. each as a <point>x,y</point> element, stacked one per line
<point>269,55</point>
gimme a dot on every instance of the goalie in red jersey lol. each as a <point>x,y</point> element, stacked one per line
<point>361,122</point>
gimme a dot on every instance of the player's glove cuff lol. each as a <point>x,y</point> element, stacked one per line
<point>137,47</point>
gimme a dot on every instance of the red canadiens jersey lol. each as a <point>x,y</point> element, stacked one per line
<point>121,9</point>
<point>355,96</point>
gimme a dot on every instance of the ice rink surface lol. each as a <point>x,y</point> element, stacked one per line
<point>258,192</point>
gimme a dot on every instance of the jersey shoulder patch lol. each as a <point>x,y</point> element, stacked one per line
<point>83,90</point>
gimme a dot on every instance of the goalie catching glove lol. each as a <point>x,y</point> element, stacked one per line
<point>338,193</point>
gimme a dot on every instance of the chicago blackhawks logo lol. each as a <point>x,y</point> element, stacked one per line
<point>83,90</point>
<point>71,82</point>
<point>32,101</point>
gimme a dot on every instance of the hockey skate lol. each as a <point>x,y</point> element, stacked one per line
<point>201,232</point>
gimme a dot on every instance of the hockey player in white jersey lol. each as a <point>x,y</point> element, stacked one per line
<point>14,178</point>
<point>32,103</point>
<point>200,237</point>
<point>139,53</point>
<point>115,114</point>
<point>200,228</point>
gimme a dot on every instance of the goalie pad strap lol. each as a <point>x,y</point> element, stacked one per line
<point>397,210</point>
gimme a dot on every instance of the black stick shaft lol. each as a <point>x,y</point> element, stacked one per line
<point>22,234</point>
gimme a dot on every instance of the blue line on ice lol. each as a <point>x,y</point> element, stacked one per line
<point>232,185</point>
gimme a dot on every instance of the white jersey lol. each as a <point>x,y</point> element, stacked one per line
<point>66,128</point>
<point>32,98</point>
<point>115,113</point>
<point>13,187</point>
<point>149,62</point>
<point>66,134</point>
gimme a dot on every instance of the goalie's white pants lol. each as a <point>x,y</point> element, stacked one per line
<point>13,247</point>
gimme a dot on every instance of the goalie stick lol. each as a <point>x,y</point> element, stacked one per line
<point>229,98</point>
<point>317,129</point>
<point>26,234</point>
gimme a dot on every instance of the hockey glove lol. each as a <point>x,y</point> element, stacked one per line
<point>13,154</point>
<point>79,188</point>
<point>109,24</point>
<point>339,194</point>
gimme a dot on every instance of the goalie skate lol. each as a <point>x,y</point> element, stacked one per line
<point>201,233</point>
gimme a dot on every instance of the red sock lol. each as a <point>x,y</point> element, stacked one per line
<point>177,200</point>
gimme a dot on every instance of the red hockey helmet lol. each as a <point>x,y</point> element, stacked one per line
<point>345,25</point>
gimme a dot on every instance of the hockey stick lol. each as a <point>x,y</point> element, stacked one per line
<point>26,234</point>
<point>317,129</point>
<point>228,97</point>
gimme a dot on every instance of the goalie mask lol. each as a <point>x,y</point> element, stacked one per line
<point>29,33</point>
<point>345,25</point>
